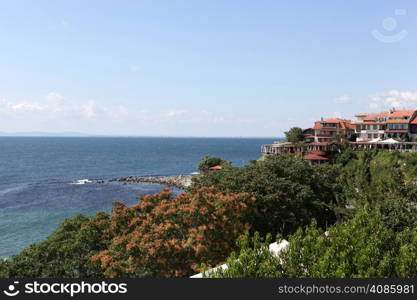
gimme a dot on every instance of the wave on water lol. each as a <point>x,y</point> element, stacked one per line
<point>12,189</point>
<point>81,181</point>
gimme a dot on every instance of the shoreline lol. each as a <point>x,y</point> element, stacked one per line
<point>178,181</point>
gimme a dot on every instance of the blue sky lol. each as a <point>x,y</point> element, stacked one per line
<point>202,68</point>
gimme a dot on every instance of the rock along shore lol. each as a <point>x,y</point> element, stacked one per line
<point>179,181</point>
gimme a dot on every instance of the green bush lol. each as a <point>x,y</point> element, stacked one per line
<point>366,201</point>
<point>294,135</point>
<point>208,162</point>
<point>365,246</point>
<point>64,254</point>
<point>290,192</point>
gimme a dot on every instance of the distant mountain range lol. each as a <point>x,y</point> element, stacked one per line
<point>41,133</point>
<point>80,134</point>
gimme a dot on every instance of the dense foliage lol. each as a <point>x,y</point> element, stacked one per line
<point>372,176</point>
<point>369,245</point>
<point>289,192</point>
<point>294,135</point>
<point>354,217</point>
<point>64,254</point>
<point>208,162</point>
<point>163,236</point>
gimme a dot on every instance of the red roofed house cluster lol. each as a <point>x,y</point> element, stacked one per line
<point>326,129</point>
<point>390,124</point>
<point>368,131</point>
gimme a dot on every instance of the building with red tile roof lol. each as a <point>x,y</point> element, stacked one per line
<point>373,131</point>
<point>326,129</point>
<point>387,124</point>
<point>412,128</point>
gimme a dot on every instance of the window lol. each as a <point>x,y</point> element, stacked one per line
<point>397,126</point>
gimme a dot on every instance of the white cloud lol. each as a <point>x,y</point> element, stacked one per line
<point>175,112</point>
<point>337,114</point>
<point>53,96</point>
<point>134,68</point>
<point>373,105</point>
<point>54,106</point>
<point>19,107</point>
<point>57,113</point>
<point>89,109</point>
<point>393,99</point>
<point>123,110</point>
<point>342,99</point>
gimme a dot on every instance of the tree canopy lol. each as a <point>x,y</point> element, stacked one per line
<point>208,162</point>
<point>354,217</point>
<point>294,135</point>
<point>64,254</point>
<point>289,192</point>
<point>365,246</point>
<point>163,236</point>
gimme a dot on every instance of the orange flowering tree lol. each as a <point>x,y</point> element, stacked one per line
<point>167,236</point>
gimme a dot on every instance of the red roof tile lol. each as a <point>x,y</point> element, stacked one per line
<point>342,124</point>
<point>320,144</point>
<point>387,114</point>
<point>317,152</point>
<point>216,168</point>
<point>314,157</point>
<point>373,116</point>
<point>331,120</point>
<point>401,113</point>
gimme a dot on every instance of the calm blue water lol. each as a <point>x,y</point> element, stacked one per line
<point>36,173</point>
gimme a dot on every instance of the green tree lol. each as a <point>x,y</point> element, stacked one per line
<point>365,202</point>
<point>252,260</point>
<point>65,253</point>
<point>289,192</point>
<point>342,141</point>
<point>365,246</point>
<point>346,156</point>
<point>4,268</point>
<point>376,174</point>
<point>294,135</point>
<point>166,236</point>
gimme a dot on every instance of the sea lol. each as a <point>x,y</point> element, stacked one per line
<point>43,179</point>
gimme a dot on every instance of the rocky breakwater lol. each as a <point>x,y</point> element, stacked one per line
<point>179,181</point>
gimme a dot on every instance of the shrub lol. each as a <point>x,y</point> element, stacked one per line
<point>289,192</point>
<point>65,253</point>
<point>364,246</point>
<point>208,162</point>
<point>163,236</point>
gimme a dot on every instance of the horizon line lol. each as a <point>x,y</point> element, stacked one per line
<point>86,135</point>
